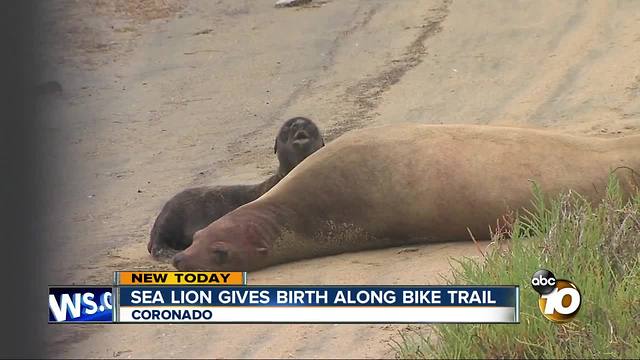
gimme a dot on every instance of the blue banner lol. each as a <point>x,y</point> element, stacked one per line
<point>87,304</point>
<point>357,296</point>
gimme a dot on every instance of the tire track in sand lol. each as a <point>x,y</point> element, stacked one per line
<point>574,50</point>
<point>364,97</point>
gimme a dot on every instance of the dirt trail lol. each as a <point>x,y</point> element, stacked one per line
<point>168,95</point>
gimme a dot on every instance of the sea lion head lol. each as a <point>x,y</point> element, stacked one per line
<point>298,138</point>
<point>223,246</point>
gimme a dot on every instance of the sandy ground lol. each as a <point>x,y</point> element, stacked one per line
<point>165,95</point>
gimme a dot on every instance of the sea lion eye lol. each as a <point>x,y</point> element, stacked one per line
<point>221,256</point>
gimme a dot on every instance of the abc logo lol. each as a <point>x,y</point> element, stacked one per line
<point>559,299</point>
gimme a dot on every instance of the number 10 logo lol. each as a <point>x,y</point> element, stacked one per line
<point>559,299</point>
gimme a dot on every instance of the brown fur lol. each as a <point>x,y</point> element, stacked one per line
<point>403,184</point>
<point>195,208</point>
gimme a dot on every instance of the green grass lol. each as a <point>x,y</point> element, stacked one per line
<point>596,247</point>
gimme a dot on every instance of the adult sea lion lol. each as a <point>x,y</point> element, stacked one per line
<point>402,184</point>
<point>195,208</point>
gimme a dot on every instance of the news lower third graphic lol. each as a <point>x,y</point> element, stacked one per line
<point>318,304</point>
<point>179,278</point>
<point>559,300</point>
<point>224,297</point>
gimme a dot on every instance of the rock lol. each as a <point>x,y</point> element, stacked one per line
<point>290,3</point>
<point>406,250</point>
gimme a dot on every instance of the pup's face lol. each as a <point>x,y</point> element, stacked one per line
<point>298,138</point>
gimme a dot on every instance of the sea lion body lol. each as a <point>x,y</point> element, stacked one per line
<point>195,208</point>
<point>402,184</point>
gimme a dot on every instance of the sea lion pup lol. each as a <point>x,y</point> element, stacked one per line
<point>195,208</point>
<point>403,184</point>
